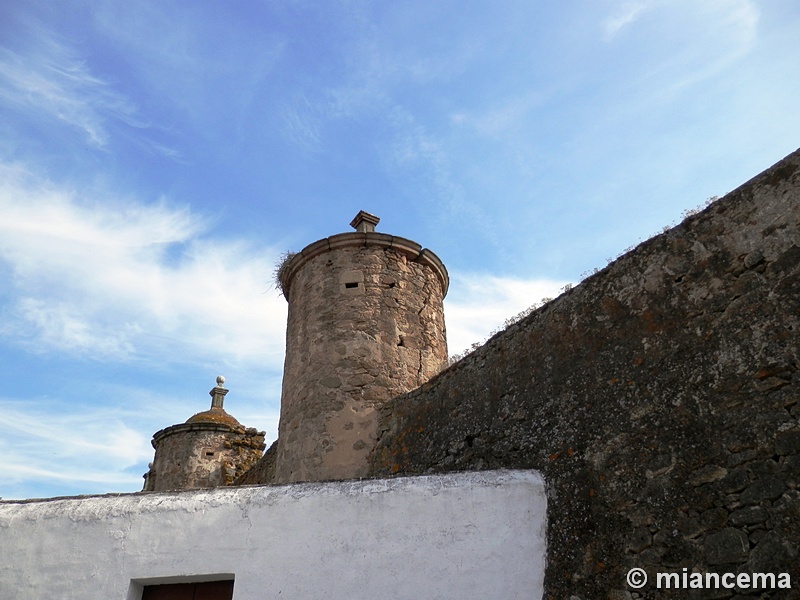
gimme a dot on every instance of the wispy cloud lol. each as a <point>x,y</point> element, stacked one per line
<point>624,16</point>
<point>740,18</point>
<point>51,82</point>
<point>302,121</point>
<point>510,115</point>
<point>73,434</point>
<point>44,442</point>
<point>119,279</point>
<point>722,32</point>
<point>734,20</point>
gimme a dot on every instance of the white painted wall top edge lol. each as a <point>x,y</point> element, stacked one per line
<point>354,486</point>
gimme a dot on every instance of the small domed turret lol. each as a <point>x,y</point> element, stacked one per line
<point>210,449</point>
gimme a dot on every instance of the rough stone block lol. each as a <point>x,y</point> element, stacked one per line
<point>766,488</point>
<point>749,516</point>
<point>788,442</point>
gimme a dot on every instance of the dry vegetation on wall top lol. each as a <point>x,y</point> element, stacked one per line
<point>685,216</point>
<point>280,270</point>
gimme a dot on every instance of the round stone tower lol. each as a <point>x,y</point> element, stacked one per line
<point>366,323</point>
<point>209,450</point>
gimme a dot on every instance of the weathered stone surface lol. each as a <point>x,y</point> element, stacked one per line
<point>726,546</point>
<point>365,324</point>
<point>766,488</point>
<point>772,555</point>
<point>788,442</point>
<point>749,516</point>
<point>634,392</point>
<point>707,474</point>
<point>735,481</point>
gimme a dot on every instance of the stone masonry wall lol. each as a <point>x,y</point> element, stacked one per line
<point>659,398</point>
<point>365,324</point>
<point>263,471</point>
<point>202,455</point>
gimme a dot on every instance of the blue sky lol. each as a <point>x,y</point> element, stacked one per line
<point>156,158</point>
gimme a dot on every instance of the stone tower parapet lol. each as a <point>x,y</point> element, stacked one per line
<point>210,449</point>
<point>366,323</point>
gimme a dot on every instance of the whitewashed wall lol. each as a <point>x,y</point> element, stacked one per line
<point>469,535</point>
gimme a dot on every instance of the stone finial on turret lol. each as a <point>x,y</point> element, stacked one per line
<point>218,393</point>
<point>364,222</point>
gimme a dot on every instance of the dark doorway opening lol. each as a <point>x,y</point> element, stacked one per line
<point>206,590</point>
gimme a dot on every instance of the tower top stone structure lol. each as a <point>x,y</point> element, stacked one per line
<point>365,236</point>
<point>366,323</point>
<point>364,222</point>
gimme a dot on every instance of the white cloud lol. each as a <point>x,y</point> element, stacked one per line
<point>724,31</point>
<point>510,115</point>
<point>61,325</point>
<point>302,122</point>
<point>733,20</point>
<point>741,17</point>
<point>44,445</point>
<point>119,279</point>
<point>76,432</point>
<point>627,14</point>
<point>478,304</point>
<point>50,81</point>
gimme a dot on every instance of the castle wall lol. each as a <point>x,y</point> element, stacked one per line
<point>365,324</point>
<point>659,398</point>
<point>459,537</point>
